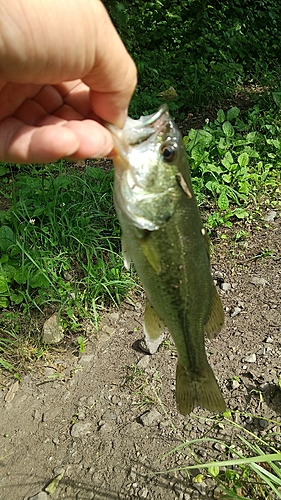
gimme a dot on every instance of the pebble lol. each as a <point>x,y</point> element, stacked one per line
<point>150,417</point>
<point>80,429</point>
<point>270,216</point>
<point>201,487</point>
<point>226,287</point>
<point>257,281</point>
<point>269,340</point>
<point>195,495</point>
<point>144,362</point>
<point>252,358</point>
<point>52,332</point>
<point>105,428</point>
<point>143,493</point>
<point>235,384</point>
<point>42,495</point>
<point>114,316</point>
<point>235,311</point>
<point>58,470</point>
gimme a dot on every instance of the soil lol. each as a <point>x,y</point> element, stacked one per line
<point>104,421</point>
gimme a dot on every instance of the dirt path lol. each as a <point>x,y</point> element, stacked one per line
<point>104,420</point>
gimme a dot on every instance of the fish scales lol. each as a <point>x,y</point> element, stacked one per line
<point>163,235</point>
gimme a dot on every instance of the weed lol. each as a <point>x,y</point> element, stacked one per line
<point>233,164</point>
<point>251,467</point>
<point>145,387</point>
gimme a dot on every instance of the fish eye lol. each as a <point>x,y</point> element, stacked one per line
<point>168,151</point>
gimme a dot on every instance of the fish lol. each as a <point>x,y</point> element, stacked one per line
<point>163,236</point>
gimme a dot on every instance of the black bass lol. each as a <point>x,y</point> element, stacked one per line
<point>162,234</point>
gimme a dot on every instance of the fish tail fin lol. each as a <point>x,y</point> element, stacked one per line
<point>200,389</point>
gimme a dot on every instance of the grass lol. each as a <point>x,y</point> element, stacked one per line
<point>250,466</point>
<point>59,248</point>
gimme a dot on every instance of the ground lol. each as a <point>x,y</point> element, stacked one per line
<point>105,420</point>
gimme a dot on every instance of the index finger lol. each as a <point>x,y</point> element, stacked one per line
<point>113,78</point>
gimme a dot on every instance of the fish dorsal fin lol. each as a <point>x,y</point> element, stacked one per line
<point>215,320</point>
<point>153,325</point>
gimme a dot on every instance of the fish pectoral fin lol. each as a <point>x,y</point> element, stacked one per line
<point>150,253</point>
<point>199,389</point>
<point>215,320</point>
<point>153,325</point>
<point>126,255</point>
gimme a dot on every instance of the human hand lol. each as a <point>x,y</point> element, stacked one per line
<point>63,70</point>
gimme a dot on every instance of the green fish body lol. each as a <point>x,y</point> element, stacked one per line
<point>162,234</point>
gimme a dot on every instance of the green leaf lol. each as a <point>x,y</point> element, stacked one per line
<point>20,275</point>
<point>39,280</point>
<point>214,470</point>
<point>52,486</point>
<point>7,238</point>
<point>227,178</point>
<point>4,302</point>
<point>223,202</point>
<point>3,284</point>
<point>251,137</point>
<point>3,170</point>
<point>16,298</point>
<point>277,98</point>
<point>243,159</point>
<point>228,130</point>
<point>221,116</point>
<point>240,213</point>
<point>232,113</point>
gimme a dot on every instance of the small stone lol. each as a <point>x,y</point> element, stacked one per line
<point>219,447</point>
<point>58,470</point>
<point>201,487</point>
<point>269,340</point>
<point>42,495</point>
<point>108,329</point>
<point>235,384</point>
<point>150,417</point>
<point>257,281</point>
<point>195,495</point>
<point>12,392</point>
<point>235,311</point>
<point>252,358</point>
<point>143,362</point>
<point>80,429</point>
<point>225,287</point>
<point>178,488</point>
<point>263,423</point>
<point>217,493</point>
<point>187,496</point>
<point>270,216</point>
<point>105,428</point>
<point>143,492</point>
<point>52,332</point>
<point>114,316</point>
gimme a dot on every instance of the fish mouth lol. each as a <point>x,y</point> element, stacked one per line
<point>141,131</point>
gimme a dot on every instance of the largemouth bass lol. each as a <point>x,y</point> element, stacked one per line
<point>162,234</point>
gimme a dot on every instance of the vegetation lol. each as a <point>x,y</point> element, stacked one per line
<point>59,235</point>
<point>240,475</point>
<point>204,49</point>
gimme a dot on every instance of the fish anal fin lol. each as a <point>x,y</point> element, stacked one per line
<point>200,389</point>
<point>153,325</point>
<point>153,329</point>
<point>215,320</point>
